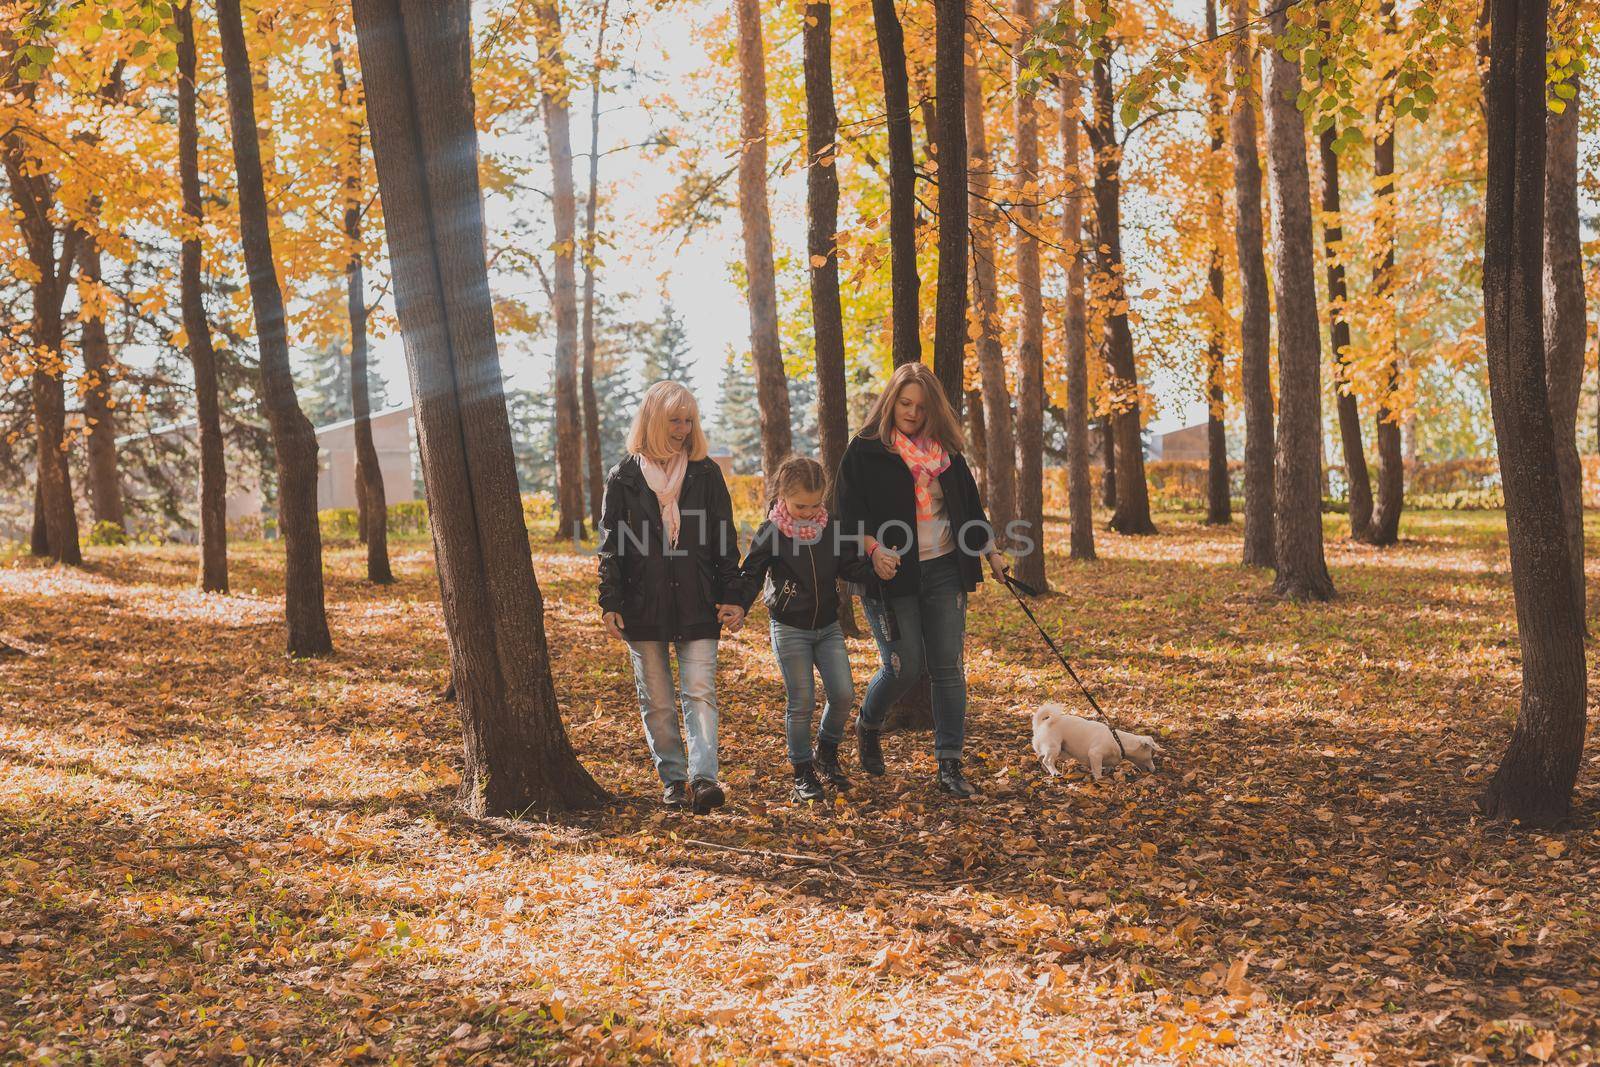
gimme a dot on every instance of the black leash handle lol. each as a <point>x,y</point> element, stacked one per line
<point>1018,588</point>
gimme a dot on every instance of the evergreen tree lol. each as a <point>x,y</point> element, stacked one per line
<point>803,409</point>
<point>324,391</point>
<point>666,355</point>
<point>618,396</point>
<point>533,439</point>
<point>738,424</point>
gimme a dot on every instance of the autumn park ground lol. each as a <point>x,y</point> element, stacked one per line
<point>212,853</point>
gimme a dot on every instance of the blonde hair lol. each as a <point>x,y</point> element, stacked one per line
<point>648,437</point>
<point>939,421</point>
<point>798,474</point>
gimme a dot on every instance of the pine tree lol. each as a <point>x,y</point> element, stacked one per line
<point>738,423</point>
<point>667,357</point>
<point>325,385</point>
<point>533,439</point>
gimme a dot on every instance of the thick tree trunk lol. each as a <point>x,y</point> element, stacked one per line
<point>416,62</point>
<point>1029,551</point>
<point>950,302</point>
<point>593,453</point>
<point>370,490</point>
<point>555,103</point>
<point>39,532</point>
<point>105,473</point>
<point>1355,456</point>
<point>1000,472</point>
<point>1385,529</point>
<point>1132,514</point>
<point>1108,465</point>
<point>1219,505</point>
<point>213,487</point>
<point>292,436</point>
<point>1255,349</point>
<point>1302,571</point>
<point>1534,781</point>
<point>772,388</point>
<point>1565,313</point>
<point>1080,492</point>
<point>905,311</point>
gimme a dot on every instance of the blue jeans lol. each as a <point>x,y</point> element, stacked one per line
<point>801,654</point>
<point>933,629</point>
<point>658,706</point>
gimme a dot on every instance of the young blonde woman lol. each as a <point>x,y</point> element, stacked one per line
<point>904,487</point>
<point>669,580</point>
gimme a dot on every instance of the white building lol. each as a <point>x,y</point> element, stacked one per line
<point>393,433</point>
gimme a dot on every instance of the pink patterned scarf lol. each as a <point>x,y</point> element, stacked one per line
<point>666,481</point>
<point>806,531</point>
<point>927,459</point>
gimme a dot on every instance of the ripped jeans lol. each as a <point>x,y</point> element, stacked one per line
<point>933,629</point>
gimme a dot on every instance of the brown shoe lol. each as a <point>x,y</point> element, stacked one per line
<point>706,794</point>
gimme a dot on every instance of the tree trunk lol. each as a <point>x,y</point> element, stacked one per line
<point>1108,465</point>
<point>772,388</point>
<point>370,490</point>
<point>1535,778</point>
<point>1385,528</point>
<point>950,303</point>
<point>105,474</point>
<point>293,439</point>
<point>1255,348</point>
<point>1080,492</point>
<point>213,488</point>
<point>1565,325</point>
<point>591,401</point>
<point>905,311</point>
<point>1302,571</point>
<point>1132,515</point>
<point>1355,456</point>
<point>39,533</point>
<point>1219,505</point>
<point>1000,473</point>
<point>555,103</point>
<point>417,65</point>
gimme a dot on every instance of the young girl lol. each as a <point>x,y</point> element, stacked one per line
<point>800,553</point>
<point>904,486</point>
<point>669,577</point>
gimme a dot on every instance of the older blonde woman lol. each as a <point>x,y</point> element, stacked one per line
<point>669,579</point>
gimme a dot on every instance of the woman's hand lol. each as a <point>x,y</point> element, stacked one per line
<point>613,621</point>
<point>885,563</point>
<point>999,564</point>
<point>731,616</point>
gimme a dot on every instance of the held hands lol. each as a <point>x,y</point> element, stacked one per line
<point>613,621</point>
<point>731,616</point>
<point>999,564</point>
<point>884,563</point>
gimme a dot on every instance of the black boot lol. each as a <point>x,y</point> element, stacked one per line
<point>806,786</point>
<point>952,781</point>
<point>869,751</point>
<point>705,794</point>
<point>828,765</point>
<point>675,796</point>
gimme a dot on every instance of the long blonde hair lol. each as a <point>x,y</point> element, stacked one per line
<point>648,437</point>
<point>939,422</point>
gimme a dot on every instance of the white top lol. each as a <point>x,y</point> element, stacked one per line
<point>933,536</point>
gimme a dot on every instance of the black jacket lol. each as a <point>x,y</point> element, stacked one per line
<point>801,591</point>
<point>876,497</point>
<point>668,594</point>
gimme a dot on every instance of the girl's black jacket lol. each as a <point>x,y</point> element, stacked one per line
<point>668,594</point>
<point>877,498</point>
<point>802,591</point>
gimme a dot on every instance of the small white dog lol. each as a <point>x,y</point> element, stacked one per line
<point>1090,743</point>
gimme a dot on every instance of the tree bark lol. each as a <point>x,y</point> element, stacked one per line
<point>1029,551</point>
<point>1565,314</point>
<point>370,490</point>
<point>1219,505</point>
<point>1255,349</point>
<point>1080,491</point>
<point>1534,781</point>
<point>591,401</point>
<point>417,65</point>
<point>1385,529</point>
<point>1355,456</point>
<point>105,473</point>
<point>1302,571</point>
<point>950,302</point>
<point>1108,465</point>
<point>1000,472</point>
<point>772,388</point>
<point>38,533</point>
<point>293,439</point>
<point>905,311</point>
<point>213,487</point>
<point>1132,514</point>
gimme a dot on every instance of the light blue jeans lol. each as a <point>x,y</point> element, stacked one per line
<point>933,628</point>
<point>802,654</point>
<point>659,701</point>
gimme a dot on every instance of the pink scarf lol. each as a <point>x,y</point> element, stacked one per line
<point>806,531</point>
<point>927,459</point>
<point>666,481</point>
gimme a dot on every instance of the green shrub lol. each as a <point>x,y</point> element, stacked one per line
<point>106,532</point>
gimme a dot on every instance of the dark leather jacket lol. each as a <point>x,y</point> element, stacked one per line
<point>668,594</point>
<point>800,577</point>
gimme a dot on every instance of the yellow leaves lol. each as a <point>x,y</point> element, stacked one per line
<point>1554,849</point>
<point>1543,1046</point>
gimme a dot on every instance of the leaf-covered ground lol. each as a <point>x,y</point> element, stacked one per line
<point>211,853</point>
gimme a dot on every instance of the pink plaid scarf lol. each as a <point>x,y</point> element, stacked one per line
<point>806,531</point>
<point>927,459</point>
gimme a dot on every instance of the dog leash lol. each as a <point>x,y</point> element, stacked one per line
<point>1017,588</point>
